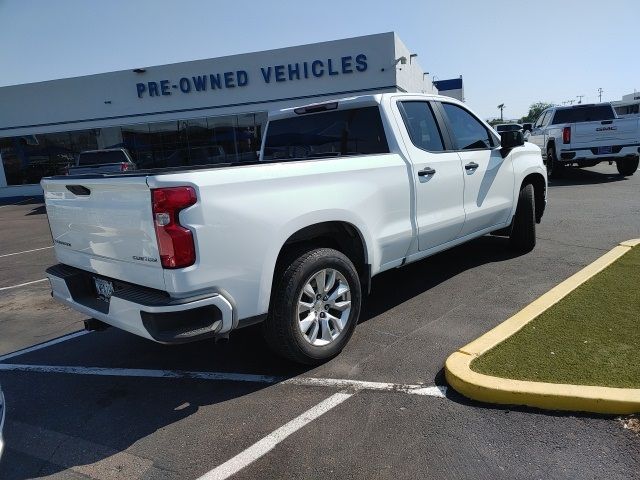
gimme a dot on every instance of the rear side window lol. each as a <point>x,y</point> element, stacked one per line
<point>422,127</point>
<point>101,158</point>
<point>592,113</point>
<point>334,133</point>
<point>468,132</point>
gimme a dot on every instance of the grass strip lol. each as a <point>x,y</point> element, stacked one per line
<point>590,337</point>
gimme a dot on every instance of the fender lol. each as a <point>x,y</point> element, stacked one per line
<point>372,253</point>
<point>526,162</point>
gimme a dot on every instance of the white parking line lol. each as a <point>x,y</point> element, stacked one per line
<point>263,446</point>
<point>46,344</point>
<point>424,390</point>
<point>23,284</point>
<point>26,251</point>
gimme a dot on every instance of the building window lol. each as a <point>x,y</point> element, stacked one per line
<point>202,141</point>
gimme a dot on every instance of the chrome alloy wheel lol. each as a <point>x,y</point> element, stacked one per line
<point>324,305</point>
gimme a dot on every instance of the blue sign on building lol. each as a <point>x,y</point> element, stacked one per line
<point>344,65</point>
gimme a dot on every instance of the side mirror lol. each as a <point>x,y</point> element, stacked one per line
<point>510,140</point>
<point>527,126</point>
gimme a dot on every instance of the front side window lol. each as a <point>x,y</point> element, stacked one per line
<point>468,132</point>
<point>421,125</point>
<point>333,133</point>
<point>540,119</point>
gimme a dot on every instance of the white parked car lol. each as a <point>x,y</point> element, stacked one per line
<point>343,191</point>
<point>585,135</point>
<point>508,127</point>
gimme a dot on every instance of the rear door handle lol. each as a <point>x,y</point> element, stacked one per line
<point>471,166</point>
<point>426,172</point>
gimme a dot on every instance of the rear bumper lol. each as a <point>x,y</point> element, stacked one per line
<point>149,313</point>
<point>590,155</point>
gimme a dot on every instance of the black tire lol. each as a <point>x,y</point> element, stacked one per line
<point>523,233</point>
<point>627,166</point>
<point>281,328</point>
<point>555,169</point>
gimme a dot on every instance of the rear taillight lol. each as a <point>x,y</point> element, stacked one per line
<point>566,135</point>
<point>175,242</point>
<point>124,166</point>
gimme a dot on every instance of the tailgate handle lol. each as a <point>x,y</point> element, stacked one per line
<point>78,190</point>
<point>606,122</point>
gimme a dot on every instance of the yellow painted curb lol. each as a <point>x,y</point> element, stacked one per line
<point>553,396</point>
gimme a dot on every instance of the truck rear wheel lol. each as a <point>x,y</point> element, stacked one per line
<point>315,305</point>
<point>554,167</point>
<point>627,166</point>
<point>523,233</point>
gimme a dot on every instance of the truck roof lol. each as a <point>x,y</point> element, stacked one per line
<point>349,102</point>
<point>583,105</point>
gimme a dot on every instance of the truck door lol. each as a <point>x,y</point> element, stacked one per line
<point>437,175</point>
<point>488,178</point>
<point>537,136</point>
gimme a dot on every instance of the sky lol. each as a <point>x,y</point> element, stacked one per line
<point>511,52</point>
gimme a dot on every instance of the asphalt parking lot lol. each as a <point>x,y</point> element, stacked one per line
<point>110,405</point>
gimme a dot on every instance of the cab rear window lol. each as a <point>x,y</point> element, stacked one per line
<point>592,113</point>
<point>356,131</point>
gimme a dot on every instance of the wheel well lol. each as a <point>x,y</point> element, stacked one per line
<point>341,236</point>
<point>550,144</point>
<point>539,189</point>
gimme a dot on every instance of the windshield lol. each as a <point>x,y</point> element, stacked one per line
<point>101,158</point>
<point>334,133</point>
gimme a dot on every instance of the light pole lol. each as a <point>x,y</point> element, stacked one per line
<point>501,107</point>
<point>600,94</point>
<point>579,97</point>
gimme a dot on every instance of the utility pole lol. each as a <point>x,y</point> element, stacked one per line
<point>501,107</point>
<point>600,94</point>
<point>579,97</point>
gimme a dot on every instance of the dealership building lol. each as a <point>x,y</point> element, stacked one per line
<point>211,110</point>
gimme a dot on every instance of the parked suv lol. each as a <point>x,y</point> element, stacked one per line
<point>585,135</point>
<point>343,191</point>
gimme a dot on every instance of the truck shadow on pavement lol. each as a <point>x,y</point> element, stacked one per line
<point>57,422</point>
<point>40,210</point>
<point>583,176</point>
<point>394,287</point>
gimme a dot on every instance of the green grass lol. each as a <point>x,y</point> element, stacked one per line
<point>590,337</point>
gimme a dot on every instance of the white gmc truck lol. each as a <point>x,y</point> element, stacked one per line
<point>342,191</point>
<point>585,135</point>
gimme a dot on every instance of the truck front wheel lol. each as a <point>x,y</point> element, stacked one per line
<point>523,233</point>
<point>315,305</point>
<point>627,166</point>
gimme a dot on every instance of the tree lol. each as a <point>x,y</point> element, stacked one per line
<point>535,110</point>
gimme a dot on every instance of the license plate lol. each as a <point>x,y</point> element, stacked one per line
<point>604,150</point>
<point>104,288</point>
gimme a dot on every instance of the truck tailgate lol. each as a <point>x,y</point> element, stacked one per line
<point>605,132</point>
<point>105,226</point>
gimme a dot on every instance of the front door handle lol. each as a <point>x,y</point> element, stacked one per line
<point>471,166</point>
<point>426,172</point>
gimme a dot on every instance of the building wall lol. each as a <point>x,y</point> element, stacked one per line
<point>198,111</point>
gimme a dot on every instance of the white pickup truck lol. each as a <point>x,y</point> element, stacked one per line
<point>342,192</point>
<point>585,135</point>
